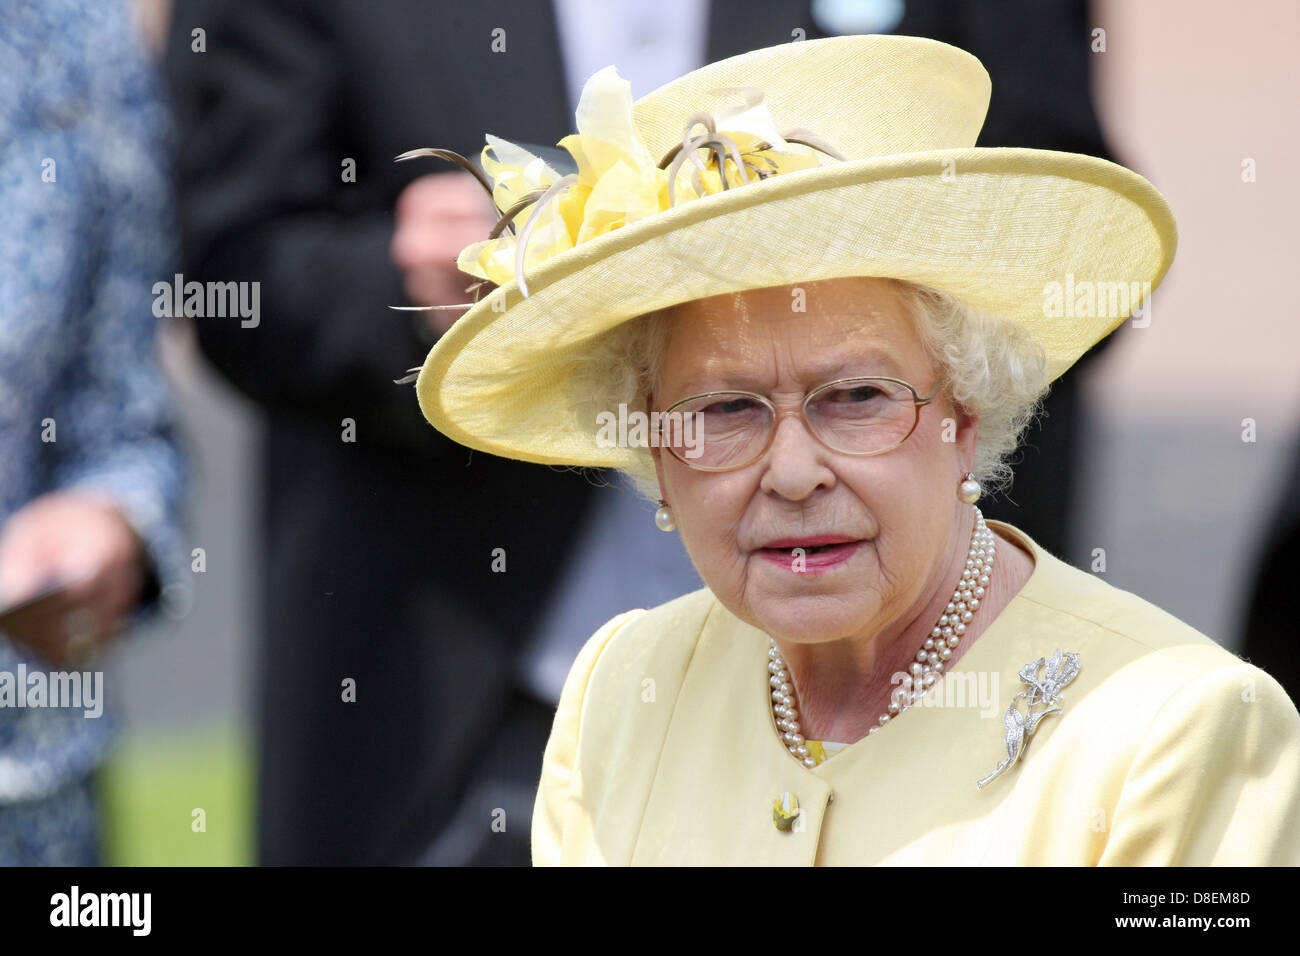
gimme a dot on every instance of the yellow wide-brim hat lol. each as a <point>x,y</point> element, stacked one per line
<point>912,198</point>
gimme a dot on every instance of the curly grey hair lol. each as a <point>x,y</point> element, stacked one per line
<point>989,366</point>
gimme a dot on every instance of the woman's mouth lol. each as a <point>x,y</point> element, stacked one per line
<point>810,555</point>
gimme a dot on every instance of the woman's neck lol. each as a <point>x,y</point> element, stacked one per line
<point>842,687</point>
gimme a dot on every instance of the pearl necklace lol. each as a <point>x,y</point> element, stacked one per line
<point>930,659</point>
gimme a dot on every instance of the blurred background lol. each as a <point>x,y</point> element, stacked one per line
<point>1199,98</point>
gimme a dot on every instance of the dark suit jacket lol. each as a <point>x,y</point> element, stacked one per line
<point>377,553</point>
<point>377,562</point>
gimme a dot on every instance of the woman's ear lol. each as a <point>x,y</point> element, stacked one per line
<point>960,428</point>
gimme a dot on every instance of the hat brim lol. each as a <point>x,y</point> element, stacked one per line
<point>994,227</point>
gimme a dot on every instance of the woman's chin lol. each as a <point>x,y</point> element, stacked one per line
<point>810,619</point>
<point>820,603</point>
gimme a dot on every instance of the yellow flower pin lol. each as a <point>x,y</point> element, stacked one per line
<point>784,810</point>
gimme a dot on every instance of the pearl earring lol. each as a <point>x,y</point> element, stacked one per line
<point>664,517</point>
<point>969,490</point>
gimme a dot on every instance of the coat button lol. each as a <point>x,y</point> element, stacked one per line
<point>784,809</point>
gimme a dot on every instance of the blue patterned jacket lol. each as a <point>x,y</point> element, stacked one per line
<point>86,228</point>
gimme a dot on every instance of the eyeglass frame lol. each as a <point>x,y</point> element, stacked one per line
<point>778,414</point>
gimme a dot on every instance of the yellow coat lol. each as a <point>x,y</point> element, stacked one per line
<point>1170,750</point>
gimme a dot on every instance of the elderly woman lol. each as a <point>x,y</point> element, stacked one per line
<point>813,324</point>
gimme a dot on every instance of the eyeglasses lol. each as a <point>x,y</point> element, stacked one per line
<point>724,431</point>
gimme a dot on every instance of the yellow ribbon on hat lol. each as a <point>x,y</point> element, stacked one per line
<point>618,182</point>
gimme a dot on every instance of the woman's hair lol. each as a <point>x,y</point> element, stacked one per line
<point>988,365</point>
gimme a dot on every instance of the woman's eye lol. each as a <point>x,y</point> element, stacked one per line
<point>857,394</point>
<point>863,393</point>
<point>730,406</point>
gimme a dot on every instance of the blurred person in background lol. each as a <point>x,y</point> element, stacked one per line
<point>291,114</point>
<point>90,472</point>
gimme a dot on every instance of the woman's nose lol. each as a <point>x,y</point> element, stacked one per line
<point>796,464</point>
